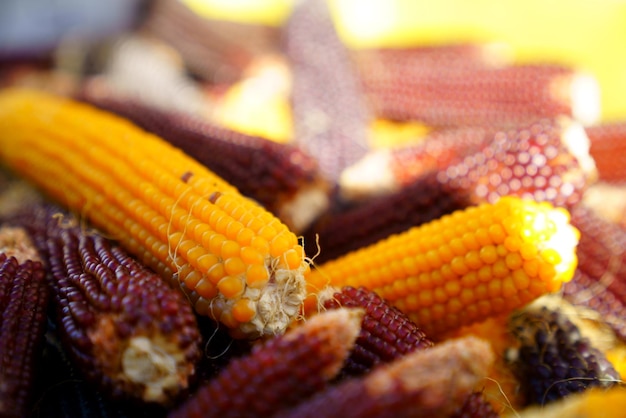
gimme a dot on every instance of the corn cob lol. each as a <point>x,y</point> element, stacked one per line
<point>553,359</point>
<point>386,333</point>
<point>608,144</point>
<point>474,263</point>
<point>599,282</point>
<point>608,201</point>
<point>281,372</point>
<point>475,406</point>
<point>546,160</point>
<point>23,304</point>
<point>281,177</point>
<point>430,383</point>
<point>330,116</point>
<point>349,226</point>
<point>131,334</point>
<point>592,403</point>
<point>235,261</point>
<point>479,95</point>
<point>387,170</point>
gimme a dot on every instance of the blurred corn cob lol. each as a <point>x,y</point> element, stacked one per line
<point>330,116</point>
<point>281,372</point>
<point>600,279</point>
<point>130,333</point>
<point>23,304</point>
<point>281,177</point>
<point>482,261</point>
<point>475,406</point>
<point>443,94</point>
<point>432,383</point>
<point>553,359</point>
<point>608,144</point>
<point>236,262</point>
<point>218,51</point>
<point>386,333</point>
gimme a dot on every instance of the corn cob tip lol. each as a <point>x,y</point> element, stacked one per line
<point>368,176</point>
<point>15,242</point>
<point>578,144</point>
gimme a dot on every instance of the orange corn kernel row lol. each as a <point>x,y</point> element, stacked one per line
<point>330,115</point>
<point>234,260</point>
<point>281,177</point>
<point>386,333</point>
<point>24,298</point>
<point>599,282</point>
<point>463,267</point>
<point>608,145</point>
<point>429,383</point>
<point>132,335</point>
<point>280,372</point>
<point>468,95</point>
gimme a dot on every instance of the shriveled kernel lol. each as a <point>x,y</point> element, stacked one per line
<point>231,287</point>
<point>257,275</point>
<point>244,310</point>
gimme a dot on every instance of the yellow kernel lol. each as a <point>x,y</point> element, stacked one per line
<point>257,275</point>
<point>466,297</point>
<point>229,320</point>
<point>260,244</point>
<point>499,269</point>
<point>221,225</point>
<point>513,261</point>
<point>528,251</point>
<point>485,274</point>
<point>205,289</point>
<point>512,243</point>
<point>268,232</point>
<point>520,279</point>
<point>215,243</point>
<point>425,281</point>
<point>452,288</point>
<point>447,273</point>
<point>432,256</point>
<point>278,245</point>
<point>445,253</point>
<point>191,279</point>
<point>412,302</point>
<point>229,249</point>
<point>488,254</point>
<point>184,247</point>
<point>440,295</point>
<point>508,288</point>
<point>421,262</point>
<point>206,261</point>
<point>233,229</point>
<point>497,233</point>
<point>216,273</point>
<point>410,266</point>
<point>482,236</point>
<point>292,259</point>
<point>399,288</point>
<point>458,265</point>
<point>231,287</point>
<point>175,238</point>
<point>438,311</point>
<point>457,246</point>
<point>469,280</point>
<point>251,255</point>
<point>551,256</point>
<point>412,283</point>
<point>244,236</point>
<point>470,242</point>
<point>454,306</point>
<point>480,292</point>
<point>234,266</point>
<point>194,253</point>
<point>494,288</point>
<point>244,310</point>
<point>531,267</point>
<point>484,308</point>
<point>255,224</point>
<point>426,298</point>
<point>472,260</point>
<point>547,272</point>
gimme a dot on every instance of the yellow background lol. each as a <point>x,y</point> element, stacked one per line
<point>587,33</point>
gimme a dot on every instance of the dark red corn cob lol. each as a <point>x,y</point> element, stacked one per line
<point>458,95</point>
<point>599,282</point>
<point>387,170</point>
<point>347,227</point>
<point>280,372</point>
<point>131,334</point>
<point>386,333</point>
<point>608,147</point>
<point>553,359</point>
<point>281,177</point>
<point>23,305</point>
<point>429,383</point>
<point>476,406</point>
<point>547,161</point>
<point>331,118</point>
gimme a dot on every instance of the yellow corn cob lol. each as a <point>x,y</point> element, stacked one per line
<point>236,262</point>
<point>465,266</point>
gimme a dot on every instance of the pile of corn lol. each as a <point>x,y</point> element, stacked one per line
<point>161,262</point>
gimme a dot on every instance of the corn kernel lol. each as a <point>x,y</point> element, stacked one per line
<point>244,310</point>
